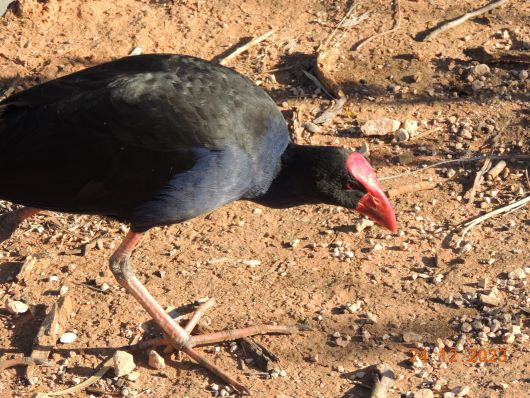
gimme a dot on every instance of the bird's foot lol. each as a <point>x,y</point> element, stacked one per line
<point>178,336</point>
<point>210,338</point>
<point>218,337</point>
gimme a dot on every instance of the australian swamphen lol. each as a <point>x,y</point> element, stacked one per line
<point>154,140</point>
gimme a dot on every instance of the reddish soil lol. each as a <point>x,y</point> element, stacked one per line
<point>418,281</point>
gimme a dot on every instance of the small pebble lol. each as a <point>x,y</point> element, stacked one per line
<point>402,135</point>
<point>424,393</point>
<point>136,51</point>
<point>477,85</point>
<point>411,337</point>
<point>312,127</point>
<point>461,391</point>
<point>133,376</point>
<point>214,387</point>
<point>156,361</point>
<point>378,247</point>
<point>16,307</point>
<point>68,337</point>
<point>481,69</point>
<point>123,363</point>
<point>518,273</point>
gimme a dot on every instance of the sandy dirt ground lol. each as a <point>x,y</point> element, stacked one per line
<point>368,296</point>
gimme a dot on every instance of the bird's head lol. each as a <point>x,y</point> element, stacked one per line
<point>348,180</point>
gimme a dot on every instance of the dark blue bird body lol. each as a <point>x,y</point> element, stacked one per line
<point>158,139</point>
<point>149,140</point>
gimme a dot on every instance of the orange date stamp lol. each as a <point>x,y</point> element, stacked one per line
<point>472,355</point>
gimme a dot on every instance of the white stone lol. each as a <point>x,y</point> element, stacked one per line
<point>123,363</point>
<point>16,307</point>
<point>68,337</point>
<point>381,126</point>
<point>156,361</point>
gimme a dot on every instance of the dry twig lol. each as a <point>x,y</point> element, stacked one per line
<point>21,361</point>
<point>511,207</point>
<point>105,367</point>
<point>352,8</point>
<point>417,186</point>
<point>394,28</point>
<point>460,20</point>
<point>245,47</point>
<point>478,179</point>
<point>317,83</point>
<point>460,160</point>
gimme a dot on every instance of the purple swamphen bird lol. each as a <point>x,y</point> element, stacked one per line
<point>153,140</point>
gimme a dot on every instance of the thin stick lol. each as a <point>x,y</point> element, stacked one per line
<point>235,334</point>
<point>198,314</point>
<point>219,337</point>
<point>318,83</point>
<point>394,28</point>
<point>418,186</point>
<point>478,179</point>
<point>352,8</point>
<point>22,361</point>
<point>383,380</point>
<point>245,47</point>
<point>470,224</point>
<point>107,365</point>
<point>461,160</point>
<point>460,20</point>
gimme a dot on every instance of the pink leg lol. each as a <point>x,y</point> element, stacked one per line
<point>120,267</point>
<point>10,221</point>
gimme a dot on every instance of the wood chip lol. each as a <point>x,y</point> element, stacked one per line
<point>53,324</point>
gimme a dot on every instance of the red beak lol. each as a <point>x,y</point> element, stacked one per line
<point>377,207</point>
<point>374,204</point>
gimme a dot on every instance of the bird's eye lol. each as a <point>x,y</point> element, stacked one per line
<point>348,186</point>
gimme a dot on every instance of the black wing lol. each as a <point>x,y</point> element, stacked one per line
<point>107,139</point>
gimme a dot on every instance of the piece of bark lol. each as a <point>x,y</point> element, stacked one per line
<point>52,325</point>
<point>27,268</point>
